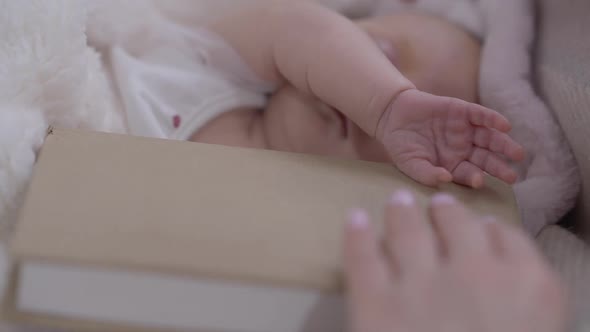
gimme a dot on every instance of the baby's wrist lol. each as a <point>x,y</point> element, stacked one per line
<point>386,117</point>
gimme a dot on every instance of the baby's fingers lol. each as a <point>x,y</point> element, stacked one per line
<point>485,117</point>
<point>424,172</point>
<point>493,165</point>
<point>469,175</point>
<point>498,142</point>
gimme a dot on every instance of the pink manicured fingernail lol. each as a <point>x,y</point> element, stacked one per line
<point>358,219</point>
<point>443,199</point>
<point>402,197</point>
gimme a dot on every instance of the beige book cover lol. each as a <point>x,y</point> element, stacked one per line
<point>106,203</point>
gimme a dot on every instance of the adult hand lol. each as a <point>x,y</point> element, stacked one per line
<point>447,270</point>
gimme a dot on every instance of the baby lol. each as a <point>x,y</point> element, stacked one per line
<point>301,78</point>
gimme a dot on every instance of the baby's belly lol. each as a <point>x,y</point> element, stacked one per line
<point>240,127</point>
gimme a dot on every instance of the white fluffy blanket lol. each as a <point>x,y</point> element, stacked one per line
<point>49,75</point>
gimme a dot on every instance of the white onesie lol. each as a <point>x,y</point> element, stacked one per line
<point>176,82</point>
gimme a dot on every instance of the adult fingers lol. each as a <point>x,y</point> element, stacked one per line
<point>410,239</point>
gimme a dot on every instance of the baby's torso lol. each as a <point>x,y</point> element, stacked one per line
<point>174,81</point>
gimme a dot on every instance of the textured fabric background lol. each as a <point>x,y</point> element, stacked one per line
<point>563,69</point>
<point>563,75</point>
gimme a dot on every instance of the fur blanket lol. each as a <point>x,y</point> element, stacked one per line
<point>51,74</point>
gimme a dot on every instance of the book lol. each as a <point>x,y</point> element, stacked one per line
<point>123,233</point>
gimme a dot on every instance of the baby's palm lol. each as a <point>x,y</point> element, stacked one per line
<point>438,139</point>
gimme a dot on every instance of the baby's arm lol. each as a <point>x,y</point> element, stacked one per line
<point>430,138</point>
<point>319,52</point>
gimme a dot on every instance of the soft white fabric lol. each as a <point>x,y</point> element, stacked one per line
<point>48,76</point>
<point>181,80</point>
<point>21,133</point>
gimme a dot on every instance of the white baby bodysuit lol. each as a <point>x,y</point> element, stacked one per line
<point>176,82</point>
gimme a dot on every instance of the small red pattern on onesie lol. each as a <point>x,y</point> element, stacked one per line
<point>176,121</point>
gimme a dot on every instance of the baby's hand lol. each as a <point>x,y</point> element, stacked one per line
<point>439,139</point>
